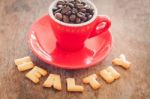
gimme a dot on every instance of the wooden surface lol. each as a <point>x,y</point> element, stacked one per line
<point>131,36</point>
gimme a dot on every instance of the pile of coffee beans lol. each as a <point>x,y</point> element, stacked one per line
<point>73,11</point>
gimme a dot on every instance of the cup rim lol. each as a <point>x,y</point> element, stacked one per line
<point>68,24</point>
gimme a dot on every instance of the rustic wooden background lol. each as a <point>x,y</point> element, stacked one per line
<point>131,36</point>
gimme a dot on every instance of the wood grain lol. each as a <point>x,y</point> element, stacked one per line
<point>131,36</point>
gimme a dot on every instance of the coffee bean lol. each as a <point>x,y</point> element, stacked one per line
<point>87,14</point>
<point>57,11</point>
<point>72,1</point>
<point>65,5</point>
<point>83,3</point>
<point>66,9</point>
<point>84,18</point>
<point>82,21</point>
<point>65,19</point>
<point>72,17</point>
<point>58,16</point>
<point>78,20</point>
<point>71,5</point>
<point>66,1</point>
<point>90,16</point>
<point>78,1</point>
<point>80,6</point>
<point>83,10</point>
<point>59,6</point>
<point>80,14</point>
<point>90,11</point>
<point>87,6</point>
<point>68,13</point>
<point>60,2</point>
<point>74,10</point>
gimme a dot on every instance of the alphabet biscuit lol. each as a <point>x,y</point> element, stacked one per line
<point>22,60</point>
<point>35,74</point>
<point>24,64</point>
<point>72,87</point>
<point>91,79</point>
<point>109,74</point>
<point>53,80</point>
<point>121,61</point>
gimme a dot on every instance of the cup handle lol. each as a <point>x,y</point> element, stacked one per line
<point>99,30</point>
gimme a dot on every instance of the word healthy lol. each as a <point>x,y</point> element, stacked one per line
<point>109,74</point>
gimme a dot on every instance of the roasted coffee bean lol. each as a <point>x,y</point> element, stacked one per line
<point>65,5</point>
<point>65,9</point>
<point>78,1</point>
<point>66,1</point>
<point>72,1</point>
<point>65,19</point>
<point>57,11</point>
<point>83,3</point>
<point>87,6</point>
<point>87,14</point>
<point>90,11</point>
<point>71,5</point>
<point>83,10</point>
<point>80,6</point>
<point>89,17</point>
<point>82,21</point>
<point>78,20</point>
<point>68,13</point>
<point>72,17</point>
<point>59,6</point>
<point>80,14</point>
<point>74,10</point>
<point>60,2</point>
<point>84,18</point>
<point>58,16</point>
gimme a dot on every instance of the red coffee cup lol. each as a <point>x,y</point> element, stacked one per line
<point>71,37</point>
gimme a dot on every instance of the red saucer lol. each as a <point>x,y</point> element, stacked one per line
<point>43,44</point>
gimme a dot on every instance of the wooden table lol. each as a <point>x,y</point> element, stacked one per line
<point>131,36</point>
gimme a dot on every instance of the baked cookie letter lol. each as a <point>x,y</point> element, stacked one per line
<point>53,80</point>
<point>109,74</point>
<point>24,64</point>
<point>121,61</point>
<point>91,79</point>
<point>71,86</point>
<point>35,74</point>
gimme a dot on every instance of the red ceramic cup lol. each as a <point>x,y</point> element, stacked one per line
<point>71,37</point>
